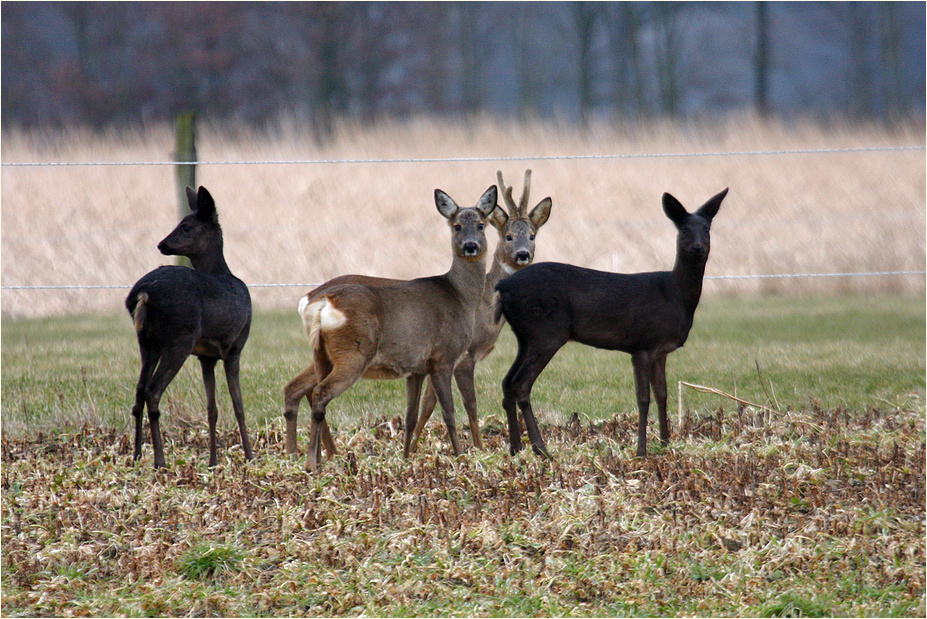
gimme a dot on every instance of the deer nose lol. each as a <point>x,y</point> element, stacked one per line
<point>523,257</point>
<point>471,248</point>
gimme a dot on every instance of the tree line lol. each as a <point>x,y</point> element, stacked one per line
<point>111,63</point>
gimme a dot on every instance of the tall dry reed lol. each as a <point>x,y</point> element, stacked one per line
<point>305,223</point>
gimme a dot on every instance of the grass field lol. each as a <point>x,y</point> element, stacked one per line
<point>814,510</point>
<point>782,352</point>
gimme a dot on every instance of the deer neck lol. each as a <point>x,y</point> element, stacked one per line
<point>211,263</point>
<point>468,278</point>
<point>498,271</point>
<point>687,277</point>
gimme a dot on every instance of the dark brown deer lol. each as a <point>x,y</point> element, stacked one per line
<point>645,314</point>
<point>178,311</point>
<point>410,329</point>
<point>515,249</point>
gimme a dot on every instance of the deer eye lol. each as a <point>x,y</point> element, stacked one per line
<point>531,237</point>
<point>509,238</point>
<point>457,228</point>
<point>481,227</point>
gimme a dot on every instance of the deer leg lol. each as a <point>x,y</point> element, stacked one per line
<point>327,441</point>
<point>442,384</point>
<point>413,393</point>
<point>658,383</point>
<point>463,376</point>
<point>533,363</point>
<point>294,391</point>
<point>169,364</point>
<point>232,376</point>
<point>509,404</point>
<point>323,365</point>
<point>642,371</point>
<point>149,363</point>
<point>331,386</point>
<point>212,412</point>
<point>428,403</point>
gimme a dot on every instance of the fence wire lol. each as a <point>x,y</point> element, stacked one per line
<point>314,285</point>
<point>750,153</point>
<point>743,153</point>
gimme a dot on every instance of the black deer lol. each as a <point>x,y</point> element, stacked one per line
<point>645,314</point>
<point>178,311</point>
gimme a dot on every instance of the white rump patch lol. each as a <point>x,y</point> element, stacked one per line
<point>318,316</point>
<point>331,317</point>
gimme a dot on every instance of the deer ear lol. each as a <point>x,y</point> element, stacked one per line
<point>541,213</point>
<point>498,217</point>
<point>488,200</point>
<point>674,210</point>
<point>205,206</point>
<point>191,198</point>
<point>446,205</point>
<point>710,208</point>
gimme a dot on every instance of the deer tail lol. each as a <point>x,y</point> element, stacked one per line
<point>497,307</point>
<point>311,312</point>
<point>320,315</point>
<point>140,312</point>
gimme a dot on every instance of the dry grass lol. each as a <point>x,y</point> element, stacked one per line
<point>307,223</point>
<point>818,513</point>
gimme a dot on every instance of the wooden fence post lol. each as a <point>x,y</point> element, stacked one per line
<point>185,171</point>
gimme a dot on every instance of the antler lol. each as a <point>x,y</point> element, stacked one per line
<point>521,208</point>
<point>506,192</point>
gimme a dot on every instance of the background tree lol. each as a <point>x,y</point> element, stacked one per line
<point>104,64</point>
<point>761,59</point>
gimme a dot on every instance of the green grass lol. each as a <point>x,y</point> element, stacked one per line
<point>783,352</point>
<point>203,562</point>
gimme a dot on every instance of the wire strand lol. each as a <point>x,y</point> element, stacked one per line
<point>314,285</point>
<point>809,151</point>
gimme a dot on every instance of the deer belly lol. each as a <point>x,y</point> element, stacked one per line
<point>211,349</point>
<point>382,373</point>
<point>399,359</point>
<point>388,367</point>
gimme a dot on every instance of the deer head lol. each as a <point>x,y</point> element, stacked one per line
<point>198,233</point>
<point>518,228</point>
<point>467,224</point>
<point>693,240</point>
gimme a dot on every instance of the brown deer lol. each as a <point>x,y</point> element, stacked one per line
<point>178,312</point>
<point>409,329</point>
<point>517,230</point>
<point>514,251</point>
<point>645,314</point>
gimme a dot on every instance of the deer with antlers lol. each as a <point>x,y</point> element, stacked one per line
<point>517,230</point>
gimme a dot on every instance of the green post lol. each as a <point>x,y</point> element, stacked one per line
<point>185,170</point>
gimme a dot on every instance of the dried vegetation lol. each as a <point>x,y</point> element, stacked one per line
<point>302,223</point>
<point>813,513</point>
